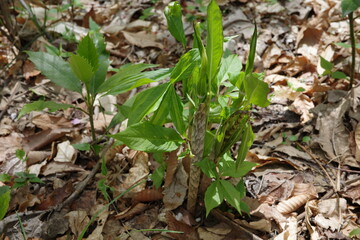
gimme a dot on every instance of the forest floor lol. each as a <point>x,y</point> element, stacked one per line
<point>306,184</point>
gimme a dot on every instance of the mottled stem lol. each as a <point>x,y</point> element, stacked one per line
<point>197,148</point>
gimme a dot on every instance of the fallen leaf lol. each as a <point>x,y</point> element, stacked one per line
<point>142,39</point>
<point>175,193</point>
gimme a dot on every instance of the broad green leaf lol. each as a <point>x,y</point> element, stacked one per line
<point>87,50</point>
<point>56,69</point>
<point>349,6</point>
<point>230,66</point>
<point>208,167</point>
<point>247,140</point>
<point>338,75</point>
<point>145,102</point>
<point>100,74</point>
<point>138,80</point>
<point>158,176</point>
<point>184,68</point>
<point>354,232</point>
<point>215,38</point>
<point>4,200</point>
<point>227,167</point>
<point>41,105</point>
<point>121,76</point>
<point>5,177</point>
<point>347,45</point>
<point>82,146</point>
<point>82,69</point>
<point>148,137</point>
<point>251,58</point>
<point>241,188</point>
<point>231,194</point>
<point>325,64</point>
<point>173,16</point>
<point>256,91</point>
<point>213,196</point>
<point>161,115</point>
<point>176,111</point>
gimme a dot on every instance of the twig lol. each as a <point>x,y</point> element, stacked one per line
<point>81,186</point>
<point>217,214</point>
<point>353,49</point>
<point>320,165</point>
<point>15,218</point>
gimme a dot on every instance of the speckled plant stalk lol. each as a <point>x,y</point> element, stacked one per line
<point>197,148</point>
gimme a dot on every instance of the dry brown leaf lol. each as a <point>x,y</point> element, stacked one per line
<point>302,106</point>
<point>138,171</point>
<point>175,194</point>
<point>189,232</point>
<point>77,221</point>
<point>65,152</point>
<point>142,39</point>
<point>29,70</point>
<point>100,222</point>
<point>171,166</point>
<point>148,195</point>
<point>43,138</point>
<point>132,211</point>
<point>56,197</point>
<point>58,167</point>
<point>46,121</point>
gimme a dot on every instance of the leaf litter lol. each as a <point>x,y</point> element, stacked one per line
<point>299,189</point>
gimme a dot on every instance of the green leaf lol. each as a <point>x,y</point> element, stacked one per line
<point>208,167</point>
<point>349,6</point>
<point>230,66</point>
<point>231,194</point>
<point>247,140</point>
<point>199,78</point>
<point>338,75</point>
<point>4,200</point>
<point>41,105</point>
<point>56,69</point>
<point>325,64</point>
<point>149,138</point>
<point>184,68</point>
<point>21,154</point>
<point>173,16</point>
<point>256,90</point>
<point>241,188</point>
<point>82,69</point>
<point>100,74</point>
<point>158,176</point>
<point>213,196</point>
<point>87,50</point>
<point>214,42</point>
<point>124,84</point>
<point>354,232</point>
<point>347,45</point>
<point>251,58</point>
<point>306,139</point>
<point>5,177</point>
<point>176,110</point>
<point>122,75</point>
<point>82,146</point>
<point>145,102</point>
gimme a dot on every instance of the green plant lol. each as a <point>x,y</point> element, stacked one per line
<point>202,71</point>
<point>19,180</point>
<point>328,66</point>
<point>348,7</point>
<point>354,232</point>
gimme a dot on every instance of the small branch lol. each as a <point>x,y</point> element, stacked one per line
<point>353,49</point>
